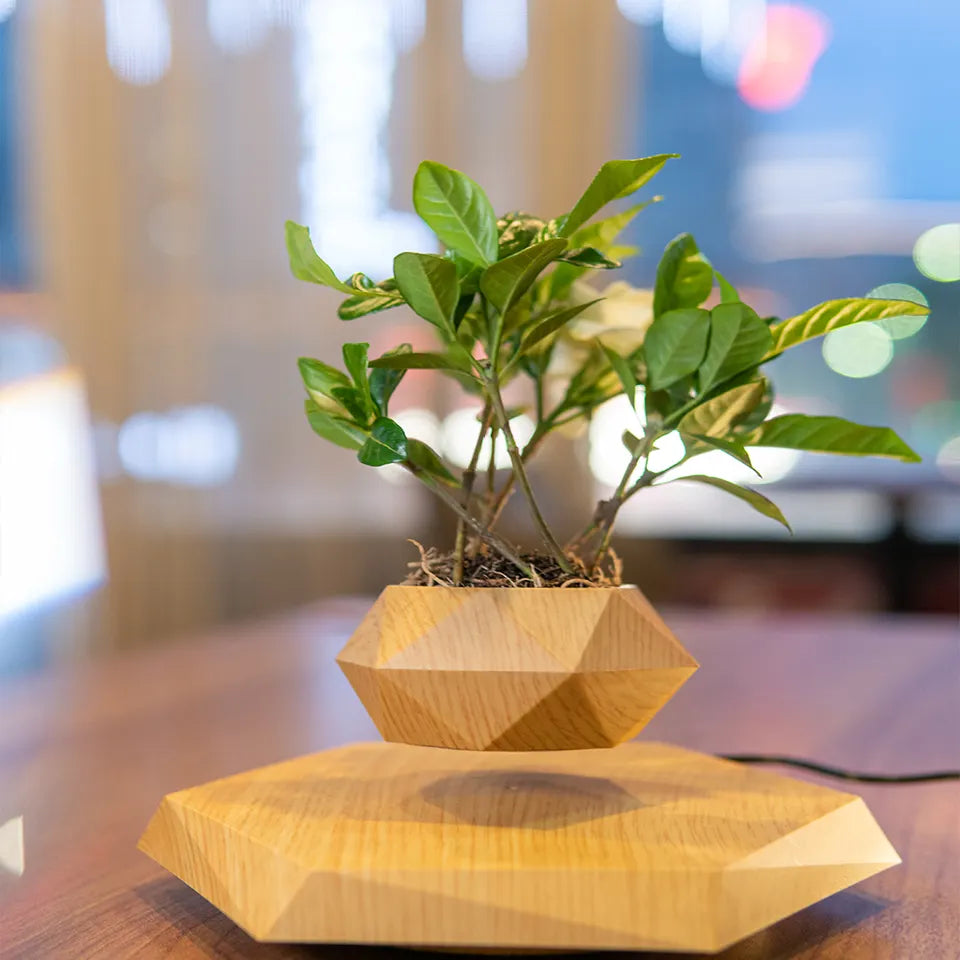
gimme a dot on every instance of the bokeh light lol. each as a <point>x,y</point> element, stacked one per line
<point>776,69</point>
<point>187,446</point>
<point>494,38</point>
<point>937,253</point>
<point>861,350</point>
<point>772,463</point>
<point>458,437</point>
<point>421,424</point>
<point>900,327</point>
<point>642,12</point>
<point>948,459</point>
<point>138,39</point>
<point>608,457</point>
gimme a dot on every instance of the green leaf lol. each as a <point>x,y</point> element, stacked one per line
<point>561,279</point>
<point>660,404</point>
<point>373,302</point>
<point>384,380</point>
<point>728,292</point>
<point>423,361</point>
<point>701,443</point>
<point>505,282</point>
<point>354,402</point>
<point>457,210</point>
<point>551,323</point>
<point>332,428</point>
<point>429,284</point>
<point>624,374</point>
<point>797,431</point>
<point>684,276</point>
<point>304,262</point>
<point>517,231</point>
<point>615,179</point>
<point>468,272</point>
<point>387,443</point>
<point>320,377</point>
<point>756,500</point>
<point>631,442</point>
<point>591,258</point>
<point>717,417</point>
<point>674,345</point>
<point>739,339</point>
<point>355,360</point>
<point>603,233</point>
<point>762,410</point>
<point>427,459</point>
<point>834,314</point>
<point>463,305</point>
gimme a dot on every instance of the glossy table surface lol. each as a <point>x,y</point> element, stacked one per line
<point>86,754</point>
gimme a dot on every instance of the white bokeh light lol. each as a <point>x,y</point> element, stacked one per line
<point>608,457</point>
<point>239,26</point>
<point>459,432</point>
<point>344,58</point>
<point>409,23</point>
<point>421,424</point>
<point>642,12</point>
<point>187,446</point>
<point>138,39</point>
<point>495,38</point>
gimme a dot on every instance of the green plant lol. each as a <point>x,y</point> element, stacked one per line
<point>503,299</point>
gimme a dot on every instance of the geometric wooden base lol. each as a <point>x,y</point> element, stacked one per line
<point>642,846</point>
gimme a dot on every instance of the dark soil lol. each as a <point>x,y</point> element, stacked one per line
<point>435,569</point>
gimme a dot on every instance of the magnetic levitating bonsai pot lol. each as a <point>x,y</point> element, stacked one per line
<point>510,668</point>
<point>504,811</point>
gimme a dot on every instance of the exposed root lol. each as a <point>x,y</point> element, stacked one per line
<point>424,566</point>
<point>489,569</point>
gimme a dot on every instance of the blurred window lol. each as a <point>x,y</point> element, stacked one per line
<point>814,169</point>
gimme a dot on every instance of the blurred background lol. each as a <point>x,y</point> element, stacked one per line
<point>156,472</point>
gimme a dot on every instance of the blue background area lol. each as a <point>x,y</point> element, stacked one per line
<point>890,77</point>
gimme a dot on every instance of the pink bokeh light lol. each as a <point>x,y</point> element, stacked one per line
<point>776,69</point>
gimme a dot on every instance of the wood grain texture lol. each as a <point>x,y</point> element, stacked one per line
<point>645,846</point>
<point>515,668</point>
<point>85,753</point>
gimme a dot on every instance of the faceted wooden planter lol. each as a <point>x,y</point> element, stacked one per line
<point>513,668</point>
<point>502,845</point>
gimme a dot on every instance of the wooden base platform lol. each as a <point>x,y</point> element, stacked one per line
<point>643,846</point>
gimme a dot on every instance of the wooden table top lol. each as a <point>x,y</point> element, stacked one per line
<point>86,754</point>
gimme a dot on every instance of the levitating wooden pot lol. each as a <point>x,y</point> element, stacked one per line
<point>502,844</point>
<point>513,668</point>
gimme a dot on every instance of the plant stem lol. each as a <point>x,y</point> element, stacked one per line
<point>538,434</point>
<point>607,510</point>
<point>614,506</point>
<point>469,476</point>
<point>520,473</point>
<point>501,546</point>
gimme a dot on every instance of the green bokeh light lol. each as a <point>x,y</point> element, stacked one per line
<point>900,327</point>
<point>937,253</point>
<point>861,350</point>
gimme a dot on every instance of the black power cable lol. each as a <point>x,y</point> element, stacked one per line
<point>840,773</point>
